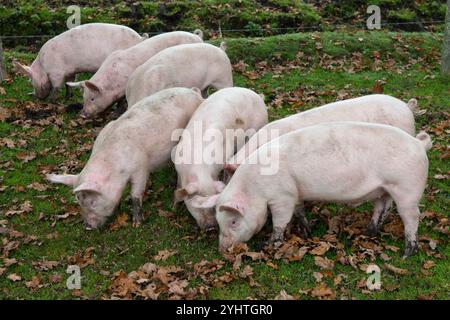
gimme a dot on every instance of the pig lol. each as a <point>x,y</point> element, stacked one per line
<point>81,49</point>
<point>126,151</point>
<point>344,162</point>
<point>108,84</point>
<point>376,108</point>
<point>238,110</point>
<point>188,65</point>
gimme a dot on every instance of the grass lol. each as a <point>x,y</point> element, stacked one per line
<point>408,66</point>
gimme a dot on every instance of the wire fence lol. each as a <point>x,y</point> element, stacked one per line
<point>266,30</point>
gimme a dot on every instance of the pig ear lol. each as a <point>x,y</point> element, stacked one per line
<point>67,179</point>
<point>22,69</point>
<point>232,208</point>
<point>79,84</point>
<point>88,186</point>
<point>91,86</point>
<point>200,202</point>
<point>219,186</point>
<point>183,193</point>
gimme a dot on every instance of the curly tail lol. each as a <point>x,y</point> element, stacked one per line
<point>425,139</point>
<point>223,46</point>
<point>199,33</point>
<point>412,104</point>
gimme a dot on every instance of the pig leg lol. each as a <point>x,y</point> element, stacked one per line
<point>138,184</point>
<point>282,212</point>
<point>407,202</point>
<point>57,83</point>
<point>410,217</point>
<point>300,219</point>
<point>380,212</point>
<point>69,89</point>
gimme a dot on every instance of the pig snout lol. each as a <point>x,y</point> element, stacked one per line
<point>88,111</point>
<point>92,222</point>
<point>225,242</point>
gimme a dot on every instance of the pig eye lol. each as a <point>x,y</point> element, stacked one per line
<point>92,99</point>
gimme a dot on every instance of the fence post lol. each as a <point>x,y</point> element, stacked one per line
<point>445,62</point>
<point>2,63</point>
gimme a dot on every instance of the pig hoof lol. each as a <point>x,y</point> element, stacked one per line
<point>411,248</point>
<point>371,231</point>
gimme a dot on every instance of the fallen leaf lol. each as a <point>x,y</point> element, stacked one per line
<point>34,283</point>
<point>14,277</point>
<point>26,157</point>
<point>428,264</point>
<point>45,265</point>
<point>324,263</point>
<point>318,276</point>
<point>396,270</point>
<point>37,186</point>
<point>55,278</point>
<point>322,291</point>
<point>121,221</point>
<point>283,295</point>
<point>164,255</point>
<point>321,249</point>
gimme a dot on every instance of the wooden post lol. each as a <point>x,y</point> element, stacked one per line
<point>2,63</point>
<point>445,63</point>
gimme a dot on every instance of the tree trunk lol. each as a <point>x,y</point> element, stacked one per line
<point>2,64</point>
<point>445,63</point>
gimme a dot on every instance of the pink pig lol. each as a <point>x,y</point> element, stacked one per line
<point>188,65</point>
<point>376,108</point>
<point>127,150</point>
<point>81,49</point>
<point>218,127</point>
<point>108,84</point>
<point>344,162</point>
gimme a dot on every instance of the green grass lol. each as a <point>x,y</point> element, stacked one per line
<point>63,148</point>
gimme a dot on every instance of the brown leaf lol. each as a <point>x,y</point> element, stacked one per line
<point>322,291</point>
<point>25,157</point>
<point>34,283</point>
<point>55,278</point>
<point>82,259</point>
<point>37,186</point>
<point>121,221</point>
<point>283,295</point>
<point>7,142</point>
<point>318,276</point>
<point>378,87</point>
<point>164,255</point>
<point>396,270</point>
<point>14,277</point>
<point>9,262</point>
<point>324,263</point>
<point>45,265</point>
<point>246,272</point>
<point>321,249</point>
<point>428,264</point>
<point>4,114</point>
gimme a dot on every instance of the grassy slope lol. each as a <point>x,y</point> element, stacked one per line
<point>128,248</point>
